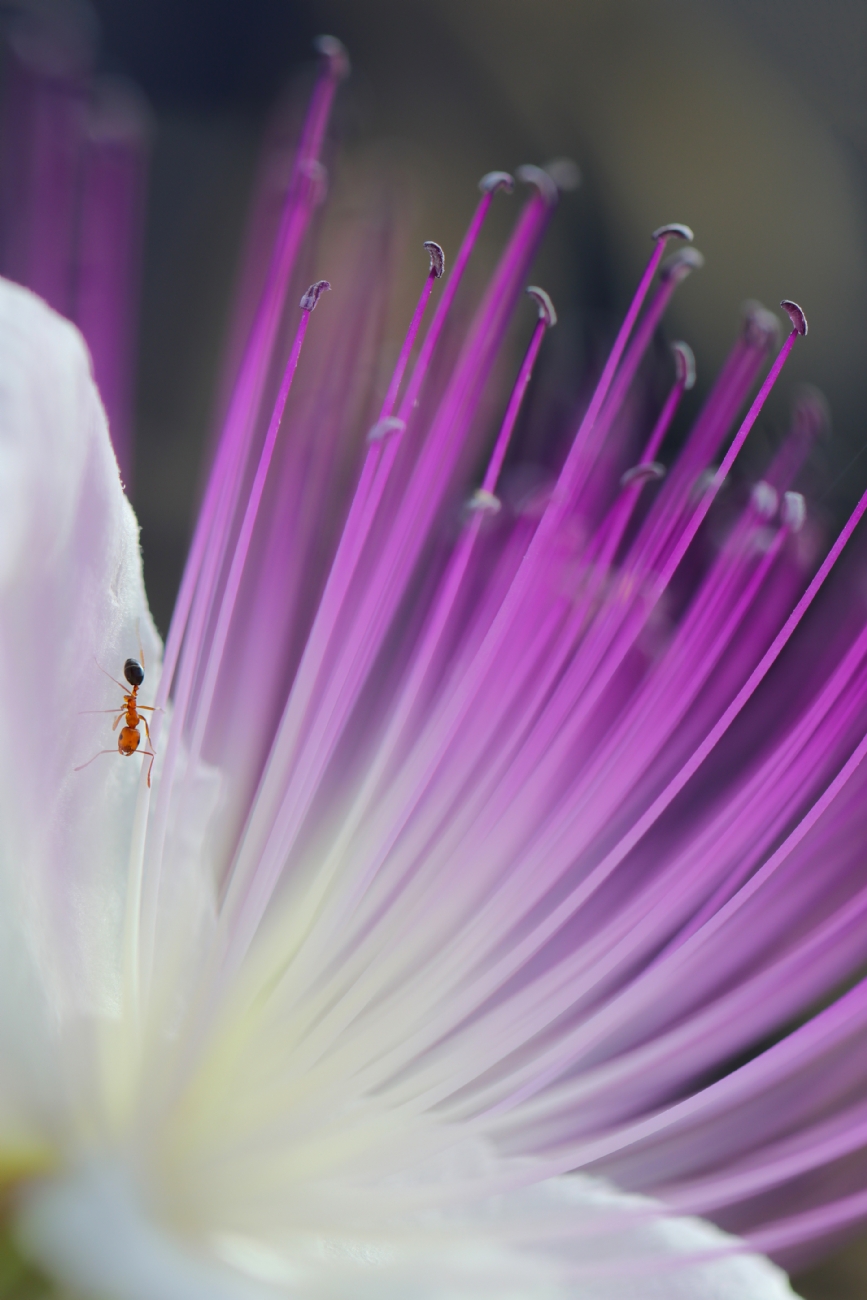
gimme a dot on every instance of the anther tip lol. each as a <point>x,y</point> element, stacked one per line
<point>811,414</point>
<point>335,52</point>
<point>530,175</point>
<point>680,264</point>
<point>437,258</point>
<point>316,176</point>
<point>674,230</point>
<point>383,428</point>
<point>795,315</point>
<point>482,502</point>
<point>794,511</point>
<point>765,499</point>
<point>684,361</point>
<point>761,327</point>
<point>565,173</point>
<point>313,294</point>
<point>649,471</point>
<point>493,181</point>
<point>547,311</point>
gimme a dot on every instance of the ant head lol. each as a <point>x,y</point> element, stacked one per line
<point>133,672</point>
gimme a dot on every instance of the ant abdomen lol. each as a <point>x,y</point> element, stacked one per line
<point>128,740</point>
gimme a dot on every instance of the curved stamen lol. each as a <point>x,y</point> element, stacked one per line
<point>674,230</point>
<point>313,294</point>
<point>646,471</point>
<point>437,259</point>
<point>684,361</point>
<point>793,512</point>
<point>796,316</point>
<point>491,182</point>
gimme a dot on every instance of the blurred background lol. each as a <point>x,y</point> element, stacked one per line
<point>745,118</point>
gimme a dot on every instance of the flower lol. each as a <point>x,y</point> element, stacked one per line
<point>487,914</point>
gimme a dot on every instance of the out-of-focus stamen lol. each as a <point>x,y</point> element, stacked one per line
<point>674,230</point>
<point>728,460</point>
<point>245,536</point>
<point>793,511</point>
<point>383,428</point>
<point>646,471</point>
<point>565,173</point>
<point>223,485</point>
<point>483,503</point>
<point>375,475</point>
<point>765,499</point>
<point>491,182</point>
<point>206,558</point>
<point>528,174</point>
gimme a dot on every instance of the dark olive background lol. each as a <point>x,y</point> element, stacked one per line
<point>745,118</point>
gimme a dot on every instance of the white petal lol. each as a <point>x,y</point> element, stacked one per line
<point>72,604</point>
<point>89,1232</point>
<point>571,1238</point>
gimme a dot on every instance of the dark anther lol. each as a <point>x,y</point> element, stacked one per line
<point>313,294</point>
<point>795,315</point>
<point>437,258</point>
<point>547,312</point>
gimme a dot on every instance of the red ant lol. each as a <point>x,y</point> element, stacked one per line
<point>129,739</point>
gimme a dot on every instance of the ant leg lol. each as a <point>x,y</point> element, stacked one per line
<point>144,723</point>
<point>148,753</point>
<point>81,712</point>
<point>151,708</point>
<point>117,719</point>
<point>82,766</point>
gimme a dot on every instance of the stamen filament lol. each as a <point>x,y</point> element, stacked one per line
<point>566,482</point>
<point>424,655</point>
<point>221,491</point>
<point>229,597</point>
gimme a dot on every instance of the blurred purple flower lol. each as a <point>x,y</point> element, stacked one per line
<point>491,907</point>
<point>73,160</point>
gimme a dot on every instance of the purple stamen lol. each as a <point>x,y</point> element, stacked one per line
<point>793,512</point>
<point>221,494</point>
<point>205,560</point>
<point>484,502</point>
<point>567,481</point>
<point>217,645</point>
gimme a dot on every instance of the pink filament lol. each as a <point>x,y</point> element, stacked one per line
<point>548,807</point>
